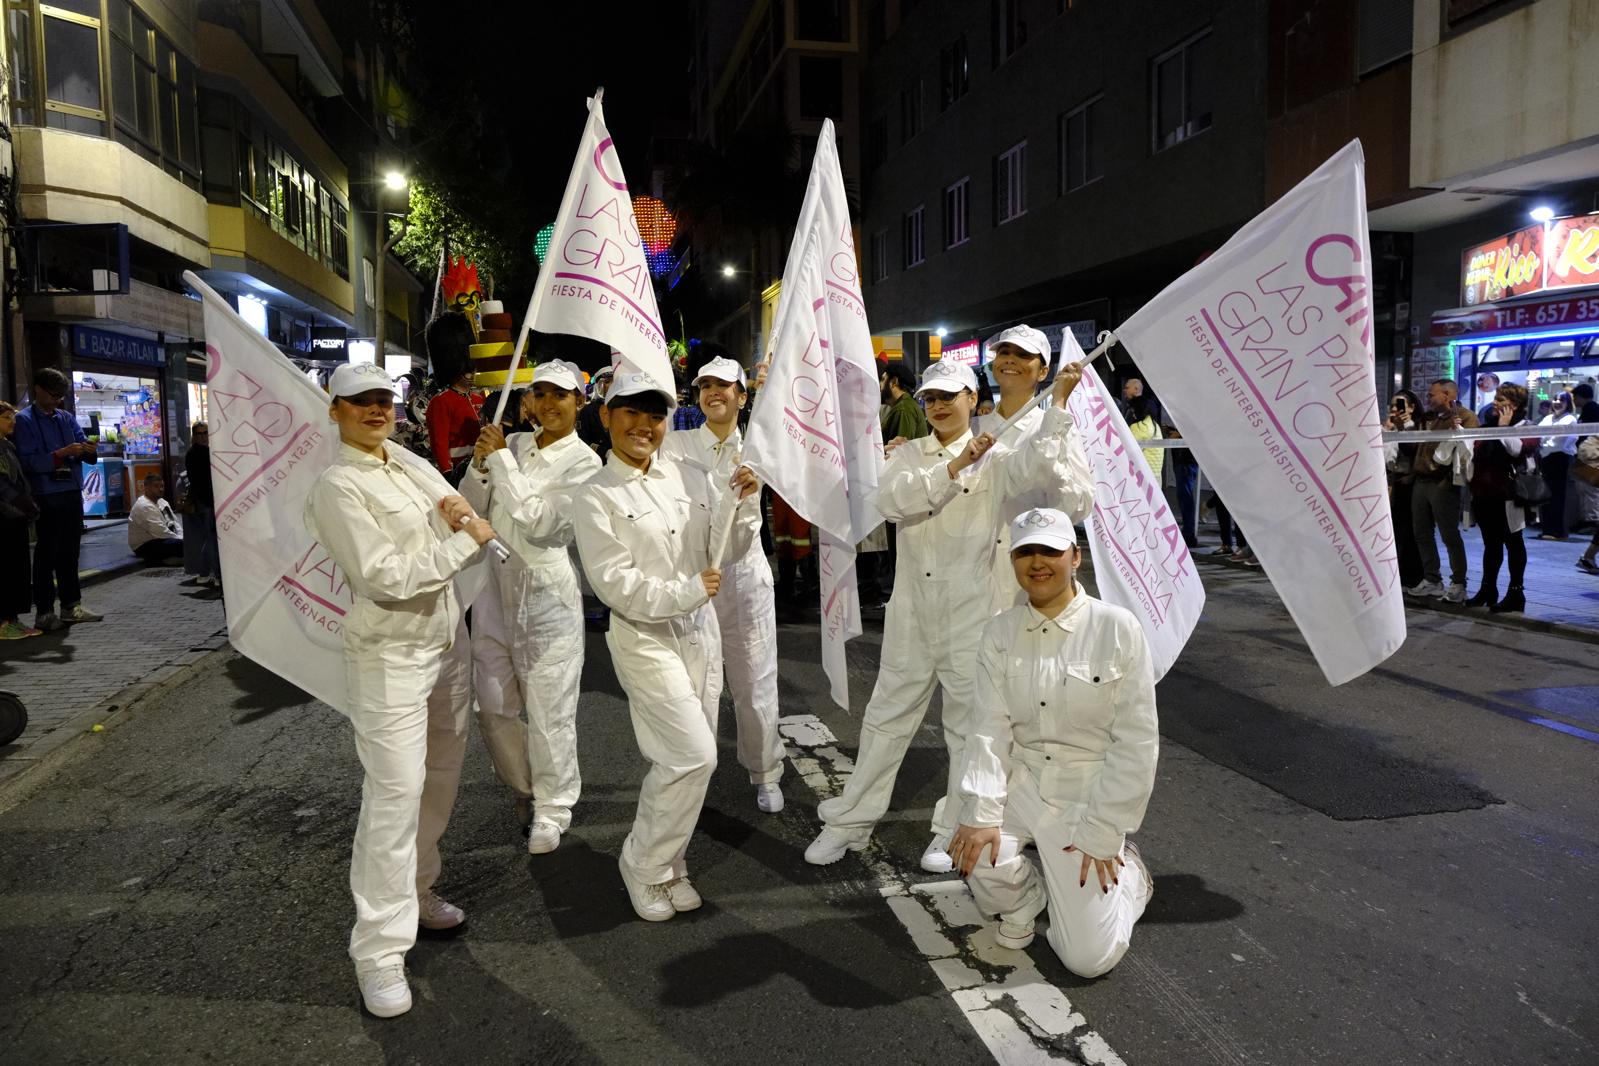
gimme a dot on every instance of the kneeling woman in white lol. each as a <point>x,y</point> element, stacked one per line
<point>407,670</point>
<point>527,626</point>
<point>644,531</point>
<point>1062,753</point>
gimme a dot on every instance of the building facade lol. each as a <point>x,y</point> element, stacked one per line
<point>1051,162</point>
<point>153,137</point>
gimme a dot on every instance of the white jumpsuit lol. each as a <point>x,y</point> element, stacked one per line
<point>1007,593</point>
<point>527,625</point>
<point>747,613</point>
<point>644,537</point>
<point>1062,752</point>
<point>408,674</point>
<point>942,598</point>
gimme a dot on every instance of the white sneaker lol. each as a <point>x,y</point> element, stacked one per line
<point>649,901</point>
<point>385,991</point>
<point>1453,594</point>
<point>683,895</point>
<point>1013,936</point>
<point>831,844</point>
<point>543,837</point>
<point>435,913</point>
<point>935,860</point>
<point>48,622</point>
<point>1136,857</point>
<point>78,613</point>
<point>1426,588</point>
<point>769,798</point>
<point>206,581</point>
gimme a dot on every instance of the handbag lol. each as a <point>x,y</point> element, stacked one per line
<point>1528,487</point>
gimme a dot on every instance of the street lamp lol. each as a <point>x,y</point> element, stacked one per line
<point>728,270</point>
<point>393,181</point>
<point>1542,213</point>
<point>942,332</point>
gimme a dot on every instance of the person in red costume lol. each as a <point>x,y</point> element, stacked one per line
<point>452,416</point>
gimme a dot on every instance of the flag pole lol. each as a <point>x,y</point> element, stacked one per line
<point>1107,341</point>
<point>537,301</point>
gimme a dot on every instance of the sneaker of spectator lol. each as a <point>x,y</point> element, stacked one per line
<point>11,629</point>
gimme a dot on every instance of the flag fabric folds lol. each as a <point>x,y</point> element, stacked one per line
<point>595,281</point>
<point>1140,560</point>
<point>1262,356</point>
<point>814,435</point>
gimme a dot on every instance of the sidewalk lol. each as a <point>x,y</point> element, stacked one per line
<point>104,552</point>
<point>156,622</point>
<point>1559,596</point>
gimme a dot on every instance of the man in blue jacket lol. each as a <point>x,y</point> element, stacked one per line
<point>53,450</point>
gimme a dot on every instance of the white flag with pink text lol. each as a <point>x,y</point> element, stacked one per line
<point>595,281</point>
<point>814,435</point>
<point>1262,356</point>
<point>1140,559</point>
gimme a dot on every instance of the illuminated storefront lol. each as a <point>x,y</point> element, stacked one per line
<point>1529,314</point>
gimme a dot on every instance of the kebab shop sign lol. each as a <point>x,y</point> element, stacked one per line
<point>1561,254</point>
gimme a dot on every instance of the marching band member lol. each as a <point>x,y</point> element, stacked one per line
<point>407,670</point>
<point>1062,753</point>
<point>947,505</point>
<point>745,607</point>
<point>527,625</point>
<point>645,528</point>
<point>1019,359</point>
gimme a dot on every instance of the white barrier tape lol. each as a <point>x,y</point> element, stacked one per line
<point>1421,436</point>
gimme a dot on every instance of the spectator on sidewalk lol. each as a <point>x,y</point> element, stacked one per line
<point>1403,411</point>
<point>17,510</point>
<point>53,449</point>
<point>1587,411</point>
<point>154,532</point>
<point>1439,472</point>
<point>203,517</point>
<point>1586,473</point>
<point>904,418</point>
<point>1555,455</point>
<point>1487,390</point>
<point>1499,514</point>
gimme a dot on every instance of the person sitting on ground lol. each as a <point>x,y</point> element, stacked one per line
<point>1062,754</point>
<point>154,532</point>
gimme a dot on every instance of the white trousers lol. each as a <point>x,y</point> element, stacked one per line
<point>409,706</point>
<point>1089,929</point>
<point>747,614</point>
<point>928,640</point>
<point>527,652</point>
<point>672,674</point>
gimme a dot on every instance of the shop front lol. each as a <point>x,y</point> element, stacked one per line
<point>1530,315</point>
<point>120,399</point>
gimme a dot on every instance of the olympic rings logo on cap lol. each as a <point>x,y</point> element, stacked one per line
<point>1036,520</point>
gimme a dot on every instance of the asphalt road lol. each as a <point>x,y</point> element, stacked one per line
<point>1400,870</point>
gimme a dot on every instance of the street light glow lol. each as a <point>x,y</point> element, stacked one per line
<point>395,180</point>
<point>942,332</point>
<point>1542,213</point>
<point>728,271</point>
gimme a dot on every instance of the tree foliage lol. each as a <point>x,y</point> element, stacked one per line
<point>435,215</point>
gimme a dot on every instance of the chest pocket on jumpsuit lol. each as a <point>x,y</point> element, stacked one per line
<point>970,518</point>
<point>410,620</point>
<point>1088,689</point>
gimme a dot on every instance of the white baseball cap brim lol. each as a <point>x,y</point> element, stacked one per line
<point>353,379</point>
<point>952,377</point>
<point>635,382</point>
<point>1042,525</point>
<point>560,373</point>
<point>720,369</point>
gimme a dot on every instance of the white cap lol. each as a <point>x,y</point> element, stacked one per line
<point>1024,337</point>
<point>1042,525</point>
<point>352,379</point>
<point>491,307</point>
<point>634,382</point>
<point>560,373</point>
<point>947,377</point>
<point>720,369</point>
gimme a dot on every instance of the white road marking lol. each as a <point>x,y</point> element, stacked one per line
<point>1021,1017</point>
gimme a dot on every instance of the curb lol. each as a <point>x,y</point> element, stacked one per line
<point>95,577</point>
<point>22,772</point>
<point>1522,622</point>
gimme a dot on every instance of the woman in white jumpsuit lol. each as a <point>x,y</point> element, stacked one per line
<point>1062,753</point>
<point>527,625</point>
<point>407,670</point>
<point>644,529</point>
<point>947,505</point>
<point>1019,361</point>
<point>745,607</point>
